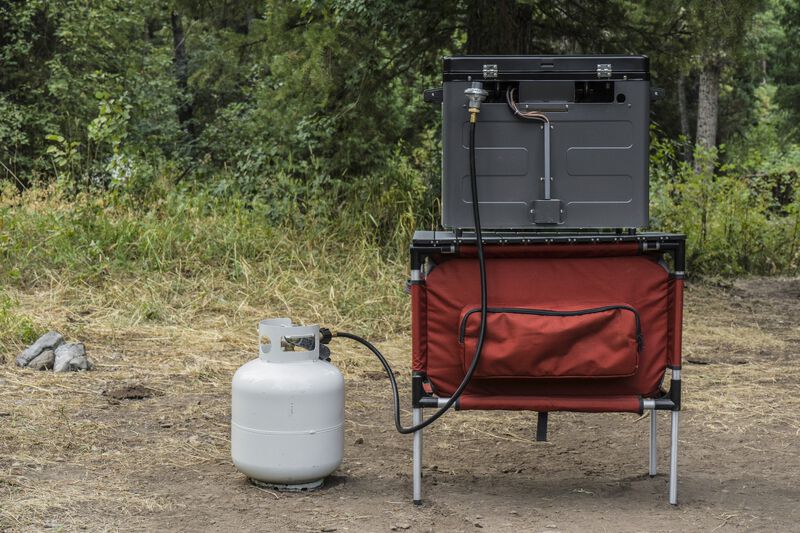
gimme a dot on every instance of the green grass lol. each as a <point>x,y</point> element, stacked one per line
<point>178,257</point>
<point>182,255</point>
<point>16,329</point>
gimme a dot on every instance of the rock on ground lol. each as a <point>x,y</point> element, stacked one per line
<point>80,363</point>
<point>70,357</point>
<point>43,361</point>
<point>49,341</point>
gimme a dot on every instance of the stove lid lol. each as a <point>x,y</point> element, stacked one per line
<point>546,67</point>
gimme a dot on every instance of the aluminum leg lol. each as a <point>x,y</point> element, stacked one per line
<point>653,442</point>
<point>673,461</point>
<point>417,474</point>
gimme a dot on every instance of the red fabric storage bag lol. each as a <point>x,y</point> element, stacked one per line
<point>567,282</point>
<point>578,341</point>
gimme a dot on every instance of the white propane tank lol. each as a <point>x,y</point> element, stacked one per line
<point>287,410</point>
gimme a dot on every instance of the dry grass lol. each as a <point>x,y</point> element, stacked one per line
<point>64,444</point>
<point>749,337</point>
<point>67,453</point>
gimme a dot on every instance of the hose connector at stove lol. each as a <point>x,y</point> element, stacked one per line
<point>475,95</point>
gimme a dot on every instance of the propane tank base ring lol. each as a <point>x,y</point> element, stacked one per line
<point>301,487</point>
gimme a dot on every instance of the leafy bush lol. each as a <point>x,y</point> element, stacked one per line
<point>730,221</point>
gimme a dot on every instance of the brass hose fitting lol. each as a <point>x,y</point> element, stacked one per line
<point>475,94</point>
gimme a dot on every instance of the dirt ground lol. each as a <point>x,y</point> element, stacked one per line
<point>73,458</point>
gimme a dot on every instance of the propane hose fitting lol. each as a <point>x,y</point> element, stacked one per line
<point>475,95</point>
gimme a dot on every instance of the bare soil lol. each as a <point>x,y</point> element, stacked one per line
<point>153,454</point>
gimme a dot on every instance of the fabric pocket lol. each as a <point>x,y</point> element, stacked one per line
<point>591,342</point>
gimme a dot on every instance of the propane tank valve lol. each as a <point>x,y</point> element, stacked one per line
<point>475,95</point>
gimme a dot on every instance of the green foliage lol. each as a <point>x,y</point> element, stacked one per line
<point>323,118</point>
<point>765,148</point>
<point>787,44</point>
<point>225,249</point>
<point>730,222</point>
<point>66,156</point>
<point>307,115</point>
<point>16,329</point>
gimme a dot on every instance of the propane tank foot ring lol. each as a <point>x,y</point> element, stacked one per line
<point>300,487</point>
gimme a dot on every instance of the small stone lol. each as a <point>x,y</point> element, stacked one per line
<point>80,363</point>
<point>43,361</point>
<point>403,525</point>
<point>49,341</point>
<point>551,526</point>
<point>65,354</point>
<point>328,529</point>
<point>359,440</point>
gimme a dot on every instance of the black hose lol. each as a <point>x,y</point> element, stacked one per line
<point>484,306</point>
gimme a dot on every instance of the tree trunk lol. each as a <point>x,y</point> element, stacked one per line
<point>181,64</point>
<point>707,110</point>
<point>499,27</point>
<point>683,109</point>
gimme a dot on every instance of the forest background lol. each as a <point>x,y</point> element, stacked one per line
<point>172,172</point>
<point>142,137</point>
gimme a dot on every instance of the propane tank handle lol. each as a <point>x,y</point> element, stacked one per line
<point>276,330</point>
